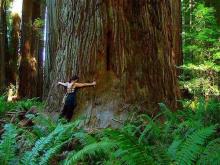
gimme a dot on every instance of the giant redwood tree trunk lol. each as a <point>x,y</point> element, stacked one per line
<point>130,47</point>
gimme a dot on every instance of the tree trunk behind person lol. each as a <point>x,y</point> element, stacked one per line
<point>28,71</point>
<point>129,46</point>
<point>2,44</point>
<point>51,46</point>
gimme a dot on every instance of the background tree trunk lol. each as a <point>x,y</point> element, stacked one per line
<point>27,70</point>
<point>40,58</point>
<point>2,44</point>
<point>128,46</point>
<point>30,46</point>
<point>37,44</point>
<point>12,63</point>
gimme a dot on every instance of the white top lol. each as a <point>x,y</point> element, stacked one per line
<point>69,86</point>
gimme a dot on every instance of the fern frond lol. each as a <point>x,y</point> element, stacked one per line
<point>173,148</point>
<point>45,122</point>
<point>191,148</point>
<point>50,153</point>
<point>92,149</point>
<point>160,155</point>
<point>31,156</point>
<point>85,138</point>
<point>171,116</point>
<point>8,144</point>
<point>211,153</point>
<point>49,145</point>
<point>130,150</point>
<point>151,128</point>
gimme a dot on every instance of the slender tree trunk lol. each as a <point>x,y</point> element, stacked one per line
<point>40,54</point>
<point>2,44</point>
<point>129,46</point>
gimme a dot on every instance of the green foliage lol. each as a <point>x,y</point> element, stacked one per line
<point>188,136</point>
<point>191,147</point>
<point>91,150</point>
<point>38,23</point>
<point>8,145</point>
<point>211,153</point>
<point>201,49</point>
<point>25,104</point>
<point>130,150</point>
<point>185,137</point>
<point>48,146</point>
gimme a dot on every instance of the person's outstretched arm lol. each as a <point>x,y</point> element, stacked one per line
<point>63,84</point>
<point>81,85</point>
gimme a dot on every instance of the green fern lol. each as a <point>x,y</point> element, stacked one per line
<point>85,138</point>
<point>47,147</point>
<point>50,153</point>
<point>173,148</point>
<point>151,129</point>
<point>8,144</point>
<point>211,153</point>
<point>192,146</point>
<point>30,157</point>
<point>160,155</point>
<point>45,122</point>
<point>130,150</point>
<point>92,149</point>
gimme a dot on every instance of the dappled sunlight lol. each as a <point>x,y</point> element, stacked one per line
<point>12,93</point>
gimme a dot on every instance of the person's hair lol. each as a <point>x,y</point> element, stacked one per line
<point>75,77</point>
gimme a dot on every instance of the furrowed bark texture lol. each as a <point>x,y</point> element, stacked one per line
<point>130,47</point>
<point>51,46</point>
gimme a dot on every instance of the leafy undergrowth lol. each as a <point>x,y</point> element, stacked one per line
<point>25,104</point>
<point>188,136</point>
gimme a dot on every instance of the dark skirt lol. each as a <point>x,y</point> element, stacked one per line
<point>70,104</point>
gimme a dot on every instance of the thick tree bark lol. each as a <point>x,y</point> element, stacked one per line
<point>2,44</point>
<point>30,46</point>
<point>51,46</point>
<point>130,47</point>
